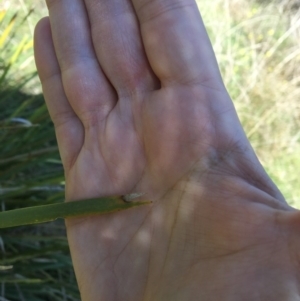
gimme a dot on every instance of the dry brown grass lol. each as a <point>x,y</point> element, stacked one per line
<point>257,47</point>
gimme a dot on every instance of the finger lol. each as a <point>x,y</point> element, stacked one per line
<point>69,129</point>
<point>86,87</point>
<point>119,47</point>
<point>176,42</point>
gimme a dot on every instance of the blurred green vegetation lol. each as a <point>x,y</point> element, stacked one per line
<point>35,262</point>
<point>257,46</point>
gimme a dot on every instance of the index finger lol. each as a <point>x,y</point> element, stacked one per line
<point>176,41</point>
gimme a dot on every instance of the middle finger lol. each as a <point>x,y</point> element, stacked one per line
<point>119,48</point>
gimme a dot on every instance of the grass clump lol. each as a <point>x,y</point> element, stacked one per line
<point>35,262</point>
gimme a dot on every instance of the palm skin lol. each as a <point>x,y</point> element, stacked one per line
<point>138,103</point>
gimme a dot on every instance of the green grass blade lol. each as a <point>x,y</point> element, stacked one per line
<point>48,213</point>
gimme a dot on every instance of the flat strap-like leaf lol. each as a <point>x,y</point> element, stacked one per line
<point>48,213</point>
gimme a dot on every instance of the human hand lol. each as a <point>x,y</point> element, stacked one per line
<point>139,106</point>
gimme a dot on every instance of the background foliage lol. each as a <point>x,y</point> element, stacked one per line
<point>257,46</point>
<point>34,263</point>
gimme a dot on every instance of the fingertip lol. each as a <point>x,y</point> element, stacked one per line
<point>44,52</point>
<point>42,30</point>
<point>45,21</point>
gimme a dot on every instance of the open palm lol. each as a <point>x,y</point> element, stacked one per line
<point>139,106</point>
